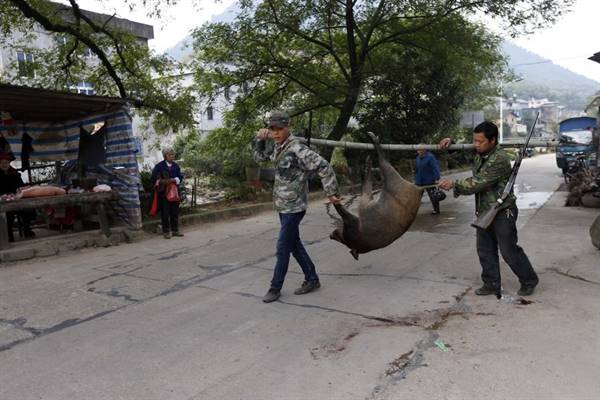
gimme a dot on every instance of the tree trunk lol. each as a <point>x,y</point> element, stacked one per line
<point>339,129</point>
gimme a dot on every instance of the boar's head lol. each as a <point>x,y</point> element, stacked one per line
<point>348,233</point>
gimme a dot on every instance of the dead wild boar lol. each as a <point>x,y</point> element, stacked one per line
<point>381,221</point>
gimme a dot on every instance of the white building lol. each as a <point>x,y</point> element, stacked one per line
<point>207,116</point>
<point>17,61</point>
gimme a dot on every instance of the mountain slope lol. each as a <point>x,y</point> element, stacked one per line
<point>542,78</point>
<point>183,49</point>
<point>537,70</point>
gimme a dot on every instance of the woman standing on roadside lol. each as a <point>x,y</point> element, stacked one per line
<point>164,175</point>
<point>428,173</point>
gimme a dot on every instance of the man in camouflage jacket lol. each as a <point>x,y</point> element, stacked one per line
<point>491,171</point>
<point>293,163</point>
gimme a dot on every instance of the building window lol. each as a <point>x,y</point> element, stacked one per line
<point>84,88</point>
<point>245,87</point>
<point>87,53</point>
<point>209,113</point>
<point>26,65</point>
<point>227,94</point>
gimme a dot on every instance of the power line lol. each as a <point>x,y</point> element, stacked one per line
<point>549,61</point>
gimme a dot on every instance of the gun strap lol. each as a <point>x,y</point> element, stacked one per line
<point>282,151</point>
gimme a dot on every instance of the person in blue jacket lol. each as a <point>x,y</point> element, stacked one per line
<point>165,173</point>
<point>427,172</point>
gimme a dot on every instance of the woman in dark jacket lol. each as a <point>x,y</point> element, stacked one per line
<point>10,182</point>
<point>165,173</point>
<point>428,173</point>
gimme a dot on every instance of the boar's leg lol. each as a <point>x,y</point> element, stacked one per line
<point>367,186</point>
<point>392,181</point>
<point>351,229</point>
<point>350,220</point>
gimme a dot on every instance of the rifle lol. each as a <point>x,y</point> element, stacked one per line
<point>484,220</point>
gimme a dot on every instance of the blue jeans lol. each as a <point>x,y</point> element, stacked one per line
<point>289,242</point>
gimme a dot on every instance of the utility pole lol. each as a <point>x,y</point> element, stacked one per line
<point>501,133</point>
<point>501,138</point>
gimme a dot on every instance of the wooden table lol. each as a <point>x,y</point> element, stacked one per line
<point>33,203</point>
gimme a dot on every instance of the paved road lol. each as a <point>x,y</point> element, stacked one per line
<point>182,318</point>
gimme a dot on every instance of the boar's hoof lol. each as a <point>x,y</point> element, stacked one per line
<point>373,137</point>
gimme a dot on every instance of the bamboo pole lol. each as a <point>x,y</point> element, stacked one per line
<point>415,147</point>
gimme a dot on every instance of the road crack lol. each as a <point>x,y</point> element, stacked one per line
<point>569,275</point>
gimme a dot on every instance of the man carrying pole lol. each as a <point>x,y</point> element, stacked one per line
<point>491,175</point>
<point>293,162</point>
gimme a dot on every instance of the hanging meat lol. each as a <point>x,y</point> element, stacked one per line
<point>383,220</point>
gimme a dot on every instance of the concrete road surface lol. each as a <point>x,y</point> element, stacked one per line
<point>182,319</point>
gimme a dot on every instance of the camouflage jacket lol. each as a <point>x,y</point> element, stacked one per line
<point>490,175</point>
<point>293,163</point>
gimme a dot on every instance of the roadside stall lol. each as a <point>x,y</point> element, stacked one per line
<point>90,141</point>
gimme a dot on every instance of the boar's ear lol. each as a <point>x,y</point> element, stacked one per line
<point>354,253</point>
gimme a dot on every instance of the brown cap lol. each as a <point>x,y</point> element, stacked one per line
<point>279,119</point>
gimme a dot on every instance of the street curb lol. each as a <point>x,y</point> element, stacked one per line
<point>205,217</point>
<point>67,243</point>
<point>45,247</point>
<point>248,210</point>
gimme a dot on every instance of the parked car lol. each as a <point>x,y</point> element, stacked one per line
<point>575,139</point>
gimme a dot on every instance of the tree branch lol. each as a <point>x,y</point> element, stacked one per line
<point>102,29</point>
<point>350,24</point>
<point>310,39</point>
<point>283,70</point>
<point>34,14</point>
<point>315,107</point>
<point>434,19</point>
<point>69,61</point>
<point>364,51</point>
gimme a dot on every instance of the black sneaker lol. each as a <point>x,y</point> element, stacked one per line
<point>307,287</point>
<point>272,295</point>
<point>486,290</point>
<point>526,290</point>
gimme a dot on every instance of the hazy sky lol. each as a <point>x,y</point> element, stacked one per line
<point>175,24</point>
<point>568,43</point>
<point>574,38</point>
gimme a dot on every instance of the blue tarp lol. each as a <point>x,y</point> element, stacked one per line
<point>60,142</point>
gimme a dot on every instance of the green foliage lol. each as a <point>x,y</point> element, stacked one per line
<point>512,154</point>
<point>223,154</point>
<point>239,191</point>
<point>338,159</point>
<point>145,175</point>
<point>419,97</point>
<point>325,55</point>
